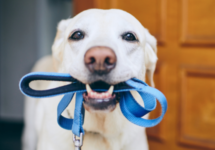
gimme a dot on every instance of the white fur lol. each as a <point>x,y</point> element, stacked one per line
<point>104,131</point>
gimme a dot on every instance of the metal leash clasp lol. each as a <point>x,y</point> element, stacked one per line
<point>78,142</point>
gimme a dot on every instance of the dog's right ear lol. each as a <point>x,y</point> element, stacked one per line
<point>59,42</point>
<point>150,56</point>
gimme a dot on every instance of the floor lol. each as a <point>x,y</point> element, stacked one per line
<point>10,135</point>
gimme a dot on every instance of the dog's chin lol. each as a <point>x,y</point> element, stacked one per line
<point>100,101</point>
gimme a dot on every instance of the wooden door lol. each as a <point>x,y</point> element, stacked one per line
<point>185,30</point>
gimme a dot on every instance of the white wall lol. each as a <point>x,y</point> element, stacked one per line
<point>27,30</point>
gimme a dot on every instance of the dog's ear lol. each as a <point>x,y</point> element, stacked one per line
<point>150,56</point>
<point>58,45</point>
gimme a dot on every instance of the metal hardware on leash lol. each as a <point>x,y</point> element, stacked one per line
<point>78,142</point>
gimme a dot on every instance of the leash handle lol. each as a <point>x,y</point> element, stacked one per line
<point>47,76</point>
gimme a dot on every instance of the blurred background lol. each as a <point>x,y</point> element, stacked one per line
<point>185,30</point>
<point>27,31</point>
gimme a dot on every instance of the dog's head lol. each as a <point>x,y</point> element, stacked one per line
<point>103,48</point>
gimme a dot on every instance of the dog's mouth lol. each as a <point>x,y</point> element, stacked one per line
<point>96,100</point>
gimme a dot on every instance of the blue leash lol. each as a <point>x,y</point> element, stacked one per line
<point>129,107</point>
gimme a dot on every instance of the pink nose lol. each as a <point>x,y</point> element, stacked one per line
<point>100,60</point>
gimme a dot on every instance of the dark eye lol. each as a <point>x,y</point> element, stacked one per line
<point>129,37</point>
<point>77,35</point>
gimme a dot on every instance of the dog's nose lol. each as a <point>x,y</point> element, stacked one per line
<point>100,60</point>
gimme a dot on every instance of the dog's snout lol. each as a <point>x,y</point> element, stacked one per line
<point>100,60</point>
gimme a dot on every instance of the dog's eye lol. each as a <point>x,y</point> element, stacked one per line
<point>78,35</point>
<point>129,37</point>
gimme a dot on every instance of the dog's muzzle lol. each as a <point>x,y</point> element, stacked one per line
<point>100,61</point>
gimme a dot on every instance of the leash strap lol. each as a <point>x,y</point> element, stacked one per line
<point>129,107</point>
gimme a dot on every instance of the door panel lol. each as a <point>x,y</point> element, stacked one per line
<point>185,73</point>
<point>198,22</point>
<point>197,108</point>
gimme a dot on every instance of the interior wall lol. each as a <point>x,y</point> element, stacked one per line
<point>27,30</point>
<point>49,13</point>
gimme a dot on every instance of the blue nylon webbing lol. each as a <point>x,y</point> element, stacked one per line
<point>129,107</point>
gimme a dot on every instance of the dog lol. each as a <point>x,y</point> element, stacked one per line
<point>109,46</point>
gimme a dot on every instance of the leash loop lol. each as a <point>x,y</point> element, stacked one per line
<point>128,105</point>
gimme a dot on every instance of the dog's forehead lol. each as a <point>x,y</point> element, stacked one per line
<point>98,19</point>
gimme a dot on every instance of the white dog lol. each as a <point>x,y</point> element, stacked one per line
<point>95,46</point>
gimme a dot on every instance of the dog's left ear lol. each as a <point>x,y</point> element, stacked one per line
<point>150,56</point>
<point>58,45</point>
